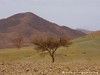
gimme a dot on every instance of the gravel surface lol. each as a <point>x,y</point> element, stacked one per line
<point>49,69</point>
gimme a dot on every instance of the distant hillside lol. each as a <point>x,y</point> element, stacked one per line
<point>32,26</point>
<point>85,31</point>
<point>95,34</point>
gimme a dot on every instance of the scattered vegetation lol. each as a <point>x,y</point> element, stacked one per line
<point>82,49</point>
<point>51,45</point>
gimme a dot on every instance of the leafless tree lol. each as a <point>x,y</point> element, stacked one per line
<point>17,41</point>
<point>50,45</point>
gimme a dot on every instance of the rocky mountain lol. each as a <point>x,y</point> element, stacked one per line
<point>29,26</point>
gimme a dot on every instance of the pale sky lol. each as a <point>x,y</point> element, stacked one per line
<point>72,13</point>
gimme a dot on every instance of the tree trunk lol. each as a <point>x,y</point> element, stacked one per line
<point>52,56</point>
<point>53,59</point>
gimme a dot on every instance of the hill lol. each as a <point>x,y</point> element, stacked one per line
<point>95,34</point>
<point>29,26</point>
<point>83,49</point>
<point>85,31</point>
<point>83,55</point>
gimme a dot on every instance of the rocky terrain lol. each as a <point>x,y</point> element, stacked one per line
<point>50,69</point>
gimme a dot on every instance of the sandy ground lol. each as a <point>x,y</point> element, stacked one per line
<point>49,69</point>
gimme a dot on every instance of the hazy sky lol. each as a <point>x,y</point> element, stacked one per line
<point>72,13</point>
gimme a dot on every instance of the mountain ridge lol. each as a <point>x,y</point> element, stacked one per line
<point>32,26</point>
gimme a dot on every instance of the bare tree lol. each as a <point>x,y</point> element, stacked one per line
<point>51,45</point>
<point>17,42</point>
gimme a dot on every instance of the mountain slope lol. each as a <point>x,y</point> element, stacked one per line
<point>31,26</point>
<point>85,31</point>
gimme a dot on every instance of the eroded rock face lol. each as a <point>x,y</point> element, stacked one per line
<point>49,69</point>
